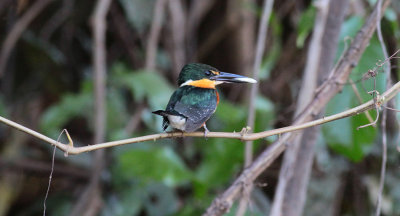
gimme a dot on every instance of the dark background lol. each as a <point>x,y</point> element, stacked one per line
<point>47,84</point>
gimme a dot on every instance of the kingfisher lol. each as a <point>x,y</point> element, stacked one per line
<point>196,99</point>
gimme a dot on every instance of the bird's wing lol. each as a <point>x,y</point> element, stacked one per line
<point>197,105</point>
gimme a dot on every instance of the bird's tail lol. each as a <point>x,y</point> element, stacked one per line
<point>161,113</point>
<point>164,114</point>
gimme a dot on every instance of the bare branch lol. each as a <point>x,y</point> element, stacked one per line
<point>51,171</point>
<point>89,202</point>
<point>357,93</point>
<point>290,194</point>
<point>70,149</point>
<point>177,31</point>
<point>327,90</point>
<point>260,47</point>
<point>384,113</point>
<point>156,24</point>
<point>58,18</point>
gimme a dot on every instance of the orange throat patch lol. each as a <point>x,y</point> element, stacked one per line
<point>203,83</point>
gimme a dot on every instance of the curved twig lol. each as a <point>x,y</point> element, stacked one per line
<point>71,149</point>
<point>329,89</point>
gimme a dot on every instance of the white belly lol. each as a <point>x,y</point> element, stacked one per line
<point>177,122</point>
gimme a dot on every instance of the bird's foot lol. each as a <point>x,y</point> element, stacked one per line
<point>205,130</point>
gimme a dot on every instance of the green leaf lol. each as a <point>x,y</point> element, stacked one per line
<point>231,115</point>
<point>390,14</point>
<point>349,30</point>
<point>342,135</point>
<point>264,113</point>
<point>275,50</point>
<point>69,107</point>
<point>126,202</point>
<point>144,84</point>
<point>305,26</point>
<point>117,115</point>
<point>221,160</point>
<point>350,27</point>
<point>157,199</point>
<point>160,200</point>
<point>159,164</point>
<point>138,12</point>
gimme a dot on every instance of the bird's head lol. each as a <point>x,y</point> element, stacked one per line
<point>205,76</point>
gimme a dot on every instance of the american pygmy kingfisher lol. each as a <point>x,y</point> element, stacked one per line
<point>196,99</point>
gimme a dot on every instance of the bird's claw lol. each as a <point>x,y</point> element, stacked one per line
<point>205,131</point>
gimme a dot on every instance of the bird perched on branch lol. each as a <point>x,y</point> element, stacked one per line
<point>196,99</point>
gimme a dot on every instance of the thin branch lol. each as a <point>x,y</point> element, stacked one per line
<point>40,167</point>
<point>284,202</point>
<point>135,119</point>
<point>326,92</point>
<point>89,201</point>
<point>71,149</point>
<point>309,83</point>
<point>17,31</point>
<point>156,24</point>
<point>392,109</point>
<point>100,66</point>
<point>357,93</point>
<point>384,113</point>
<point>51,171</point>
<point>260,47</point>
<point>57,19</point>
<point>124,32</point>
<point>375,95</point>
<point>49,183</point>
<point>177,31</point>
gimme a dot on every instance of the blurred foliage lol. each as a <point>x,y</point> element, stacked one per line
<point>139,13</point>
<point>305,26</point>
<point>3,108</point>
<point>148,168</point>
<point>343,135</point>
<point>69,107</point>
<point>138,82</point>
<point>49,86</point>
<point>275,50</point>
<point>159,164</point>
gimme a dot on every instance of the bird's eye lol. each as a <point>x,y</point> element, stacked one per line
<point>208,73</point>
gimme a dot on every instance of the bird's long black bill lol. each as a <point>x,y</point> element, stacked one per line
<point>232,78</point>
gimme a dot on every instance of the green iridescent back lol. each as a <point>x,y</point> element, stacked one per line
<point>196,104</point>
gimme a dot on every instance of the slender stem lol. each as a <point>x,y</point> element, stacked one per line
<point>357,93</point>
<point>151,46</point>
<point>261,38</point>
<point>384,113</point>
<point>70,149</point>
<point>260,47</point>
<point>88,201</point>
<point>325,93</point>
<point>51,172</point>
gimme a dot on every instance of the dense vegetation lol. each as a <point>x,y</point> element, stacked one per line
<point>47,84</point>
